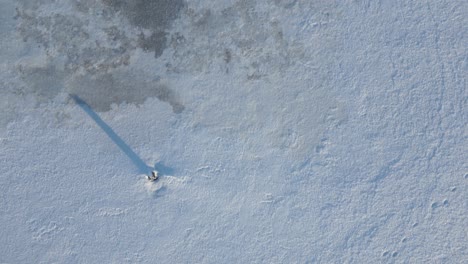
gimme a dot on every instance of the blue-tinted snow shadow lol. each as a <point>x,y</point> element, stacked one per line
<point>139,163</point>
<point>163,169</point>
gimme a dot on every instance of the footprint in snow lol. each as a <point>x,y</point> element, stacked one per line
<point>163,184</point>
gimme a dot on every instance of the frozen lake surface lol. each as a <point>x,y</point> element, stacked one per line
<point>283,131</point>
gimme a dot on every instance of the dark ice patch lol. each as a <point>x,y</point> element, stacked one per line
<point>285,3</point>
<point>156,42</point>
<point>101,91</point>
<point>153,15</point>
<point>45,82</point>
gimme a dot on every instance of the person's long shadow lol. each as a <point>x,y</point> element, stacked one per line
<point>140,164</point>
<point>163,170</point>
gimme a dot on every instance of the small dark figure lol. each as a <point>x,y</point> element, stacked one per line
<point>154,176</point>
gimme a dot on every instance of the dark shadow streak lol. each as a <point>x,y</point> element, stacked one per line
<point>141,165</point>
<point>163,169</point>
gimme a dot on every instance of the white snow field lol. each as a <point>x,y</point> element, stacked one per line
<point>283,131</point>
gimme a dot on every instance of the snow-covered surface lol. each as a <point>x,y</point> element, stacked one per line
<point>285,131</point>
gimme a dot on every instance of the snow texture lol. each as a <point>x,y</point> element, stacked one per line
<point>284,131</point>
